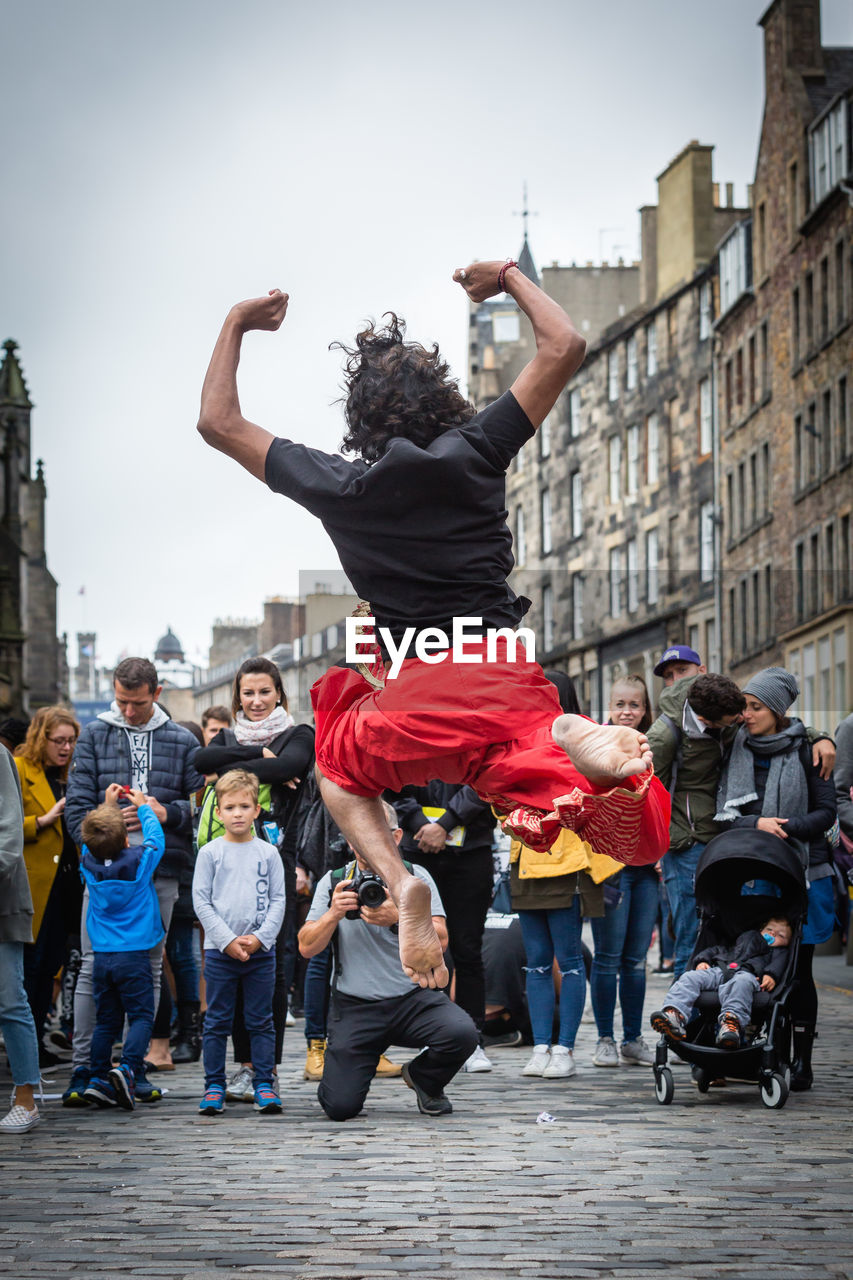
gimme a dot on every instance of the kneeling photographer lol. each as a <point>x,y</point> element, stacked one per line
<point>374,1004</point>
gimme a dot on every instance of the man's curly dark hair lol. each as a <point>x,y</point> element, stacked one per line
<point>396,388</point>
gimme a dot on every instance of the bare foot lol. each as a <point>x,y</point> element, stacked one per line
<point>420,949</point>
<point>605,754</point>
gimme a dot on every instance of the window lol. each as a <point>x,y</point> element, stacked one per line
<point>829,570</point>
<point>825,442</point>
<point>761,242</point>
<point>671,331</point>
<point>753,488</point>
<point>671,545</point>
<point>807,686</point>
<point>545,514</point>
<point>824,297</point>
<point>652,449</point>
<point>612,375</point>
<point>839,645</point>
<point>652,349</point>
<point>732,622</point>
<point>796,336</point>
<point>706,433</point>
<point>706,542</point>
<point>633,553</point>
<point>631,363</point>
<point>768,602</point>
<point>576,490</point>
<point>842,420</point>
<point>614,451</point>
<point>755,601</point>
<point>813,575</point>
<point>764,472</point>
<point>728,382</point>
<point>577,606</point>
<point>520,540</point>
<point>705,310</point>
<point>800,454</point>
<point>575,412</point>
<point>652,566</point>
<point>617,571</point>
<point>633,460</point>
<point>793,199</point>
<point>740,494</point>
<point>752,387</point>
<point>828,152</point>
<point>735,265</point>
<point>765,361</point>
<point>505,326</point>
<point>743,615</point>
<point>739,378</point>
<point>730,504</point>
<point>545,438</point>
<point>808,304</point>
<point>840,309</point>
<point>548,616</point>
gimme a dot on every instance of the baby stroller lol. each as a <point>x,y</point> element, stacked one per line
<point>743,878</point>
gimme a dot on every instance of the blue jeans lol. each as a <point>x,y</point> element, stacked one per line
<point>316,994</point>
<point>183,952</point>
<point>622,938</point>
<point>16,1020</point>
<point>679,874</point>
<point>548,934</point>
<point>256,976</point>
<point>122,987</point>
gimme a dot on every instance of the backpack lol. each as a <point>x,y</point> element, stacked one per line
<point>266,828</point>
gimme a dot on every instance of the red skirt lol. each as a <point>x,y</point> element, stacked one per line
<point>487,724</point>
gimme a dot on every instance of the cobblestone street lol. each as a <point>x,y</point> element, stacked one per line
<point>714,1185</point>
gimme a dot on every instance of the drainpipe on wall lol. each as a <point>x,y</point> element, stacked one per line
<point>718,511</point>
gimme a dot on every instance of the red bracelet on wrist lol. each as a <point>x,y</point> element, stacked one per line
<point>510,262</point>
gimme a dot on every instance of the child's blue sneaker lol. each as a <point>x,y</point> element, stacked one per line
<point>121,1079</point>
<point>75,1094</point>
<point>213,1101</point>
<point>266,1099</point>
<point>145,1090</point>
<point>101,1092</point>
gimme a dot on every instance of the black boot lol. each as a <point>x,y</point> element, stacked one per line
<point>187,1046</point>
<point>801,1067</point>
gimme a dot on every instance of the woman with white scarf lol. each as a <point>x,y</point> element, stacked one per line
<point>266,742</point>
<point>770,782</point>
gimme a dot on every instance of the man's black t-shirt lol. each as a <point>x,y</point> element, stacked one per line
<point>422,533</point>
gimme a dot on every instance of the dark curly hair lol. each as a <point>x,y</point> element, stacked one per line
<point>396,388</point>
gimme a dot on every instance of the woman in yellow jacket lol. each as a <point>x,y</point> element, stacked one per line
<point>552,892</point>
<point>49,854</point>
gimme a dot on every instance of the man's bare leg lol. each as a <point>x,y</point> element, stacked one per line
<point>605,754</point>
<point>363,822</point>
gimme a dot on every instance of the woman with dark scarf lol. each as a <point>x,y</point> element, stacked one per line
<point>770,782</point>
<point>265,741</point>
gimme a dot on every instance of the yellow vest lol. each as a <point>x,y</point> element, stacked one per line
<point>568,854</point>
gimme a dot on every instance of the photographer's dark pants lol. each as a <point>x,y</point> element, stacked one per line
<point>360,1031</point>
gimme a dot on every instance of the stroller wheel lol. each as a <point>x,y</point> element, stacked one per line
<point>702,1079</point>
<point>664,1085</point>
<point>774,1091</point>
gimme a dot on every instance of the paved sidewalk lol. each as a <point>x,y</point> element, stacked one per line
<point>713,1186</point>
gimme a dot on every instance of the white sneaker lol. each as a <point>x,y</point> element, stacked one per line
<point>240,1087</point>
<point>562,1063</point>
<point>605,1053</point>
<point>636,1053</point>
<point>20,1120</point>
<point>289,1020</point>
<point>477,1062</point>
<point>539,1061</point>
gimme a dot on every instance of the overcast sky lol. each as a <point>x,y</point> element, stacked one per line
<point>165,159</point>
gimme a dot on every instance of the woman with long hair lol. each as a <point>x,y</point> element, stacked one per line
<point>622,936</point>
<point>265,741</point>
<point>43,760</point>
<point>769,781</point>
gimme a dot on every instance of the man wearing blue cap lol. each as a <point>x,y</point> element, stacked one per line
<point>677,663</point>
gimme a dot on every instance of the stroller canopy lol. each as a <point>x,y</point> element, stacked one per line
<point>743,857</point>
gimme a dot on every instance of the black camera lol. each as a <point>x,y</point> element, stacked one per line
<point>370,889</point>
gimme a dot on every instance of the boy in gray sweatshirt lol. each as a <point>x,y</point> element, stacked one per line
<point>238,896</point>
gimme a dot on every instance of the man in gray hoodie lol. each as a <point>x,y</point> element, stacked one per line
<point>136,744</point>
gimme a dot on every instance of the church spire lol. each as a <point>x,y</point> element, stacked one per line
<point>13,389</point>
<point>526,265</point>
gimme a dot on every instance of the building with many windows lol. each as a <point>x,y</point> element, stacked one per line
<point>783,367</point>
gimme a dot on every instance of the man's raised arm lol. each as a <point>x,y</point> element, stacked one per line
<point>560,349</point>
<point>220,423</point>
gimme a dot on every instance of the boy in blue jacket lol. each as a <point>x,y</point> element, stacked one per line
<point>124,923</point>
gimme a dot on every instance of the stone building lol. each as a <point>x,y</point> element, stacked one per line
<point>612,503</point>
<point>33,664</point>
<point>784,369</point>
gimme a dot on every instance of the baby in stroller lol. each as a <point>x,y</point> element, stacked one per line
<point>757,960</point>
